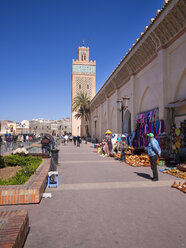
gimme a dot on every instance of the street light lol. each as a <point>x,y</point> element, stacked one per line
<point>123,105</point>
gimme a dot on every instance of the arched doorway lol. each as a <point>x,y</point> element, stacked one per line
<point>127,122</point>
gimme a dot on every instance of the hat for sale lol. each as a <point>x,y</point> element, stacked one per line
<point>108,132</point>
<point>151,135</point>
<point>123,136</point>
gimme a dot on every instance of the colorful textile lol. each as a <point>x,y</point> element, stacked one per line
<point>148,123</point>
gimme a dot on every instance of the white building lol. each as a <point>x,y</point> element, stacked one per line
<point>152,74</point>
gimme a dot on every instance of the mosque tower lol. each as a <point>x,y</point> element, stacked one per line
<point>83,80</point>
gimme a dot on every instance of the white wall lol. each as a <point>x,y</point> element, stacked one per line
<point>162,81</point>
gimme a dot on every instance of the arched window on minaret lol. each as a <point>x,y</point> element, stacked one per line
<point>83,56</point>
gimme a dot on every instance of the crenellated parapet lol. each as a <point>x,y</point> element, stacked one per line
<point>78,62</point>
<point>168,25</point>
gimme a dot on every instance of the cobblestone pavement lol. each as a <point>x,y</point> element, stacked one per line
<point>103,203</point>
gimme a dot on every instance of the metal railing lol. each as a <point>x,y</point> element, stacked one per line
<point>9,147</point>
<point>31,146</point>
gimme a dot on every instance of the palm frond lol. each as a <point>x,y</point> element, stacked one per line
<point>81,105</point>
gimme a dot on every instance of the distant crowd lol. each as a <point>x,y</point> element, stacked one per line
<point>13,141</point>
<point>10,142</point>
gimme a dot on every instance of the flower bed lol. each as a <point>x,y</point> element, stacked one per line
<point>28,166</point>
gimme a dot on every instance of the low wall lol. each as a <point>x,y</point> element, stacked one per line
<point>14,228</point>
<point>30,192</point>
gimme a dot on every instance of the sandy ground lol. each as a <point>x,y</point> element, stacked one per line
<point>7,172</point>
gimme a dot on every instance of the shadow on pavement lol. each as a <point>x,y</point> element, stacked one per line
<point>147,176</point>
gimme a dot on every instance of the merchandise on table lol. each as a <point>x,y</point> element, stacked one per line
<point>117,156</point>
<point>129,150</point>
<point>181,167</point>
<point>176,173</point>
<point>138,160</point>
<point>180,186</point>
<point>177,141</point>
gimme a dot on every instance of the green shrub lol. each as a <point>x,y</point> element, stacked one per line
<point>19,160</point>
<point>28,166</point>
<point>2,163</point>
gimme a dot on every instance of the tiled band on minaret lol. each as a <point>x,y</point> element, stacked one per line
<point>83,80</point>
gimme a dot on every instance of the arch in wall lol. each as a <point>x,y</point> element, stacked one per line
<point>148,100</point>
<point>127,122</point>
<point>112,119</point>
<point>180,92</point>
<point>143,97</point>
<point>105,122</point>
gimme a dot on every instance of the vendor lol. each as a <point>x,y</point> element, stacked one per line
<point>123,146</point>
<point>154,152</point>
<point>108,145</point>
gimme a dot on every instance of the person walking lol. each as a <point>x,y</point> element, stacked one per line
<point>45,144</point>
<point>14,141</point>
<point>78,141</point>
<point>66,139</point>
<point>74,139</point>
<point>154,152</point>
<point>27,140</point>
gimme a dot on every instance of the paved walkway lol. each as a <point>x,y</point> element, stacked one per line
<point>103,203</point>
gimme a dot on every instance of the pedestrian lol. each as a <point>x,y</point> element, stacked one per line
<point>8,142</point>
<point>108,147</point>
<point>154,152</point>
<point>123,146</point>
<point>27,140</point>
<point>78,141</point>
<point>74,138</point>
<point>45,144</point>
<point>19,140</point>
<point>30,139</point>
<point>14,141</point>
<point>66,139</point>
<point>52,142</point>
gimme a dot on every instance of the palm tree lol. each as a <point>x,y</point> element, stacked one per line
<point>81,105</point>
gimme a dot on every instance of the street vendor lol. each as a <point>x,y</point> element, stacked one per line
<point>123,146</point>
<point>116,147</point>
<point>108,144</point>
<point>154,152</point>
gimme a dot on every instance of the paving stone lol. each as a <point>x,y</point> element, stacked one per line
<point>102,203</point>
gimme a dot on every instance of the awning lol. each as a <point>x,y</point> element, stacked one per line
<point>176,104</point>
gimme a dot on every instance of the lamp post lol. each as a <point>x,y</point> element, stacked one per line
<point>123,105</point>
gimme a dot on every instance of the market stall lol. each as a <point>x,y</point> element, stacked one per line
<point>138,160</point>
<point>148,122</point>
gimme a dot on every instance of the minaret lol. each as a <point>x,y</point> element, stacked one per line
<point>83,80</point>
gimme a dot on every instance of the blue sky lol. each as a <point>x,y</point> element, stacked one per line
<point>39,39</point>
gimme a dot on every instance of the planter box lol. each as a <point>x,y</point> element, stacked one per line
<point>31,191</point>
